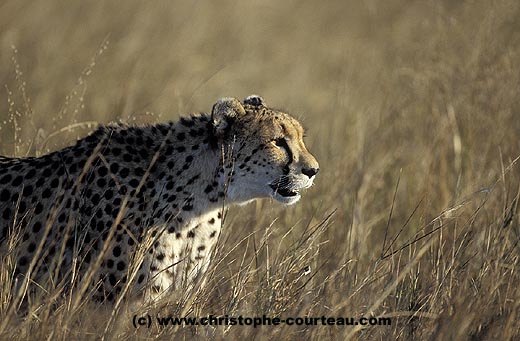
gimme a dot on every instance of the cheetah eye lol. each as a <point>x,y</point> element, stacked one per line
<point>280,142</point>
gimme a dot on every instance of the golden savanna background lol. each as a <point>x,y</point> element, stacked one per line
<point>412,109</point>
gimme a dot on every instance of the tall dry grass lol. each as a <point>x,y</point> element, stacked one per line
<point>412,110</point>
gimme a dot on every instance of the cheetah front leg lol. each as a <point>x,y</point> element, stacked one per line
<point>179,260</point>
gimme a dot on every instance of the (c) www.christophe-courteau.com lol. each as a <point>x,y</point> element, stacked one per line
<point>147,321</point>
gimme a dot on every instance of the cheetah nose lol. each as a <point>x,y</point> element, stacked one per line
<point>310,172</point>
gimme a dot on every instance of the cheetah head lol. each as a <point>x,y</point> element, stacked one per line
<point>269,156</point>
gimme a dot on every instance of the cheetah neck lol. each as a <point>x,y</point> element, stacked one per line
<point>192,172</point>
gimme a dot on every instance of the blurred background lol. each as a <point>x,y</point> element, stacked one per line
<point>412,110</point>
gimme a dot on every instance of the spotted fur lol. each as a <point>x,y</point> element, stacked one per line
<point>122,187</point>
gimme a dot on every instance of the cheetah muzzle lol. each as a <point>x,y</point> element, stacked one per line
<point>145,204</point>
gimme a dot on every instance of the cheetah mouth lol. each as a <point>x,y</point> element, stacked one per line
<point>285,195</point>
<point>285,192</point>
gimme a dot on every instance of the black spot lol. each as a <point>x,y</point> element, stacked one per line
<point>27,190</point>
<point>30,174</point>
<point>62,217</point>
<point>191,234</point>
<point>160,256</point>
<point>201,248</point>
<point>5,179</point>
<point>143,153</point>
<point>116,251</point>
<point>36,227</point>
<point>7,214</point>
<point>112,279</point>
<point>95,198</point>
<point>114,168</point>
<point>181,136</point>
<point>22,261</point>
<point>181,149</point>
<point>134,183</point>
<point>120,265</point>
<point>169,150</point>
<point>213,234</point>
<point>55,183</point>
<point>110,263</point>
<point>139,171</point>
<point>212,221</point>
<point>101,182</point>
<point>92,138</point>
<point>5,195</point>
<point>47,172</point>
<point>46,193</point>
<point>40,182</point>
<point>140,279</point>
<point>116,151</point>
<point>193,179</point>
<point>31,247</point>
<point>109,194</point>
<point>102,171</point>
<point>187,122</point>
<point>22,207</point>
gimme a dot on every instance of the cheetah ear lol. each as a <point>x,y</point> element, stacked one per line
<point>255,101</point>
<point>224,113</point>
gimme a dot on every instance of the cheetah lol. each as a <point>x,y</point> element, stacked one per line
<point>151,196</point>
